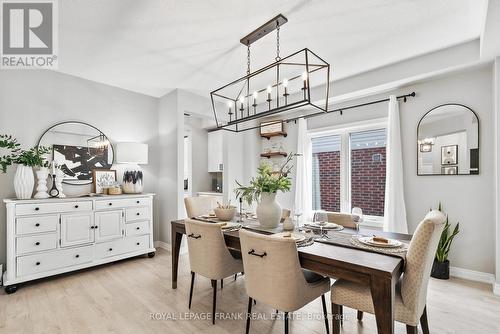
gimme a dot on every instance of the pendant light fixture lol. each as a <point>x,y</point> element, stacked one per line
<point>298,82</point>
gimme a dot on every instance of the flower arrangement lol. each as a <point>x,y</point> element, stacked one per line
<point>9,144</point>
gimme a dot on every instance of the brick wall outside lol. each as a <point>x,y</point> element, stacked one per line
<point>367,180</point>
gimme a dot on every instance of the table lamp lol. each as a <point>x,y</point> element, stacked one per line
<point>132,154</point>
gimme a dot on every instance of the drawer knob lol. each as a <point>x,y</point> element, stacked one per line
<point>77,256</point>
<point>138,243</point>
<point>38,263</point>
<point>76,206</point>
<point>138,202</point>
<point>110,204</point>
<point>37,208</point>
<point>96,227</point>
<point>138,214</point>
<point>37,243</point>
<point>37,224</point>
<point>110,249</point>
<point>92,227</point>
<point>137,228</point>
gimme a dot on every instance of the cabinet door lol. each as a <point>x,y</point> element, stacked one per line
<point>77,229</point>
<point>108,225</point>
<point>215,148</point>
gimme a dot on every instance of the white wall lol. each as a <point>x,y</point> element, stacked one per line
<point>32,101</point>
<point>496,101</point>
<point>468,199</point>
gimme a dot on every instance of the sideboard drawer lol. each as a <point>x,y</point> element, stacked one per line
<point>28,225</point>
<point>122,203</point>
<point>135,214</point>
<point>121,246</point>
<point>36,243</point>
<point>41,208</point>
<point>137,228</point>
<point>37,263</point>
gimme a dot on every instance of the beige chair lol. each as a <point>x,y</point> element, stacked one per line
<point>344,219</point>
<point>200,205</point>
<point>273,275</point>
<point>411,291</point>
<point>209,256</point>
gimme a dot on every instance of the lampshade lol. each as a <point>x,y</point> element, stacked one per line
<point>135,153</point>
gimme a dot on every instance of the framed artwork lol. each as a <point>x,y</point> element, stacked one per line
<point>449,155</point>
<point>425,147</point>
<point>449,170</point>
<point>77,162</point>
<point>102,177</point>
<point>271,127</point>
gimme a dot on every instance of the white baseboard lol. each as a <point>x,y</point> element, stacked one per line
<point>496,289</point>
<point>166,246</point>
<point>472,275</point>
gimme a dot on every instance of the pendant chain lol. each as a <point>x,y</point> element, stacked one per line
<point>278,58</point>
<point>248,59</point>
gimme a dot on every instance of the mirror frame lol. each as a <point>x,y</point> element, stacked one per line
<point>478,138</point>
<point>83,123</point>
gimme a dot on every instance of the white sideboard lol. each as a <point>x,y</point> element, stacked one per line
<point>47,237</point>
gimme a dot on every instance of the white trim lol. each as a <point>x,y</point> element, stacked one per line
<point>496,289</point>
<point>348,127</point>
<point>163,245</point>
<point>472,275</point>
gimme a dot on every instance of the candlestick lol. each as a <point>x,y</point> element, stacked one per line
<point>269,90</point>
<point>254,105</point>
<point>230,113</point>
<point>285,85</point>
<point>304,88</point>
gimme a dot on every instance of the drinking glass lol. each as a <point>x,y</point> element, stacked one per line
<point>358,218</point>
<point>321,218</point>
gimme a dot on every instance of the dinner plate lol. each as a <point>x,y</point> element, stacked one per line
<point>298,237</point>
<point>327,226</point>
<point>391,244</point>
<point>229,225</point>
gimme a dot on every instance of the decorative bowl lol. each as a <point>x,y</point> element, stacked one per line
<point>225,214</point>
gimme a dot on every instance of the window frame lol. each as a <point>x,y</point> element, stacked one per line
<point>344,131</point>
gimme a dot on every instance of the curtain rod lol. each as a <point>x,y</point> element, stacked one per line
<point>319,113</point>
<point>404,97</point>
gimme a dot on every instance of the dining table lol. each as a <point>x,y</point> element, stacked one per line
<point>376,270</point>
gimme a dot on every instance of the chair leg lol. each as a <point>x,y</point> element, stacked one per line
<point>222,284</point>
<point>249,314</point>
<point>411,329</point>
<point>360,315</point>
<point>424,322</point>
<point>341,307</point>
<point>336,314</point>
<point>235,276</point>
<point>286,322</point>
<point>325,314</point>
<point>214,284</point>
<point>191,290</point>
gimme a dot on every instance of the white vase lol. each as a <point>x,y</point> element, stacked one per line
<point>268,210</point>
<point>41,190</point>
<point>24,181</point>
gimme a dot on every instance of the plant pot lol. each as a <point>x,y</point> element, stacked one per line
<point>268,210</point>
<point>41,190</point>
<point>440,270</point>
<point>24,181</point>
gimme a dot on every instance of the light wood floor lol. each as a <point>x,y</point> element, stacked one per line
<point>121,297</point>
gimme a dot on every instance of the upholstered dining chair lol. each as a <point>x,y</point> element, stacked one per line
<point>344,219</point>
<point>411,290</point>
<point>199,205</point>
<point>273,276</point>
<point>209,256</point>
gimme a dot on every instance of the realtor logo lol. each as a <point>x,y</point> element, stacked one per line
<point>29,34</point>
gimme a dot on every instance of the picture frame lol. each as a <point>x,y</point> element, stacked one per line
<point>102,177</point>
<point>271,127</point>
<point>449,170</point>
<point>449,155</point>
<point>425,148</point>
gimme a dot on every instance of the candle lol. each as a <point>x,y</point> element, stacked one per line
<point>255,94</point>
<point>53,167</point>
<point>242,100</point>
<point>229,106</point>
<point>304,77</point>
<point>285,84</point>
<point>269,90</point>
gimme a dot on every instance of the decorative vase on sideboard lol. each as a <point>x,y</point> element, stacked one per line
<point>41,190</point>
<point>268,210</point>
<point>24,182</point>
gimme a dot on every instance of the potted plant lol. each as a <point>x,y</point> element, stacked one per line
<point>441,265</point>
<point>24,180</point>
<point>263,190</point>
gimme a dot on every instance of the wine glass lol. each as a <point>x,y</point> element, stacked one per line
<point>321,218</point>
<point>357,214</point>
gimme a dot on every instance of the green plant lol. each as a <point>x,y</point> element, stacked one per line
<point>7,142</point>
<point>446,239</point>
<point>33,157</point>
<point>267,181</point>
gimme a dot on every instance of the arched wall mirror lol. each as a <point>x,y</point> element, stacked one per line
<point>78,148</point>
<point>448,141</point>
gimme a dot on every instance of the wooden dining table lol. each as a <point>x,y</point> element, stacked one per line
<point>379,271</point>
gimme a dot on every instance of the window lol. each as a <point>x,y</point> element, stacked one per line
<point>349,168</point>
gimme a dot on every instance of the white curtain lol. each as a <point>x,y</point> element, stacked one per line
<point>303,179</point>
<point>395,210</point>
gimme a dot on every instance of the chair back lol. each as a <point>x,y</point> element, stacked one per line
<point>199,205</point>
<point>344,219</point>
<point>272,270</point>
<point>419,259</point>
<point>208,253</point>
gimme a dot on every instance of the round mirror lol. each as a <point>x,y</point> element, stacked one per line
<point>78,148</point>
<point>448,141</point>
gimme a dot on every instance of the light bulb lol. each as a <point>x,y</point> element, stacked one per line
<point>285,83</point>
<point>304,76</point>
<point>269,89</point>
<point>255,94</point>
<point>229,104</point>
<point>242,99</point>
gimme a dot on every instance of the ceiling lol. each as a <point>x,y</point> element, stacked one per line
<point>154,46</point>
